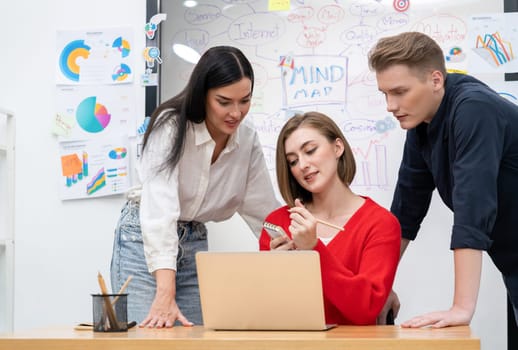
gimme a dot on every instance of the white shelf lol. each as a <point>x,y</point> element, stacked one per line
<point>7,226</point>
<point>5,242</point>
<point>6,280</point>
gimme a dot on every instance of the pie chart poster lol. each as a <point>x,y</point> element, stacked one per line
<point>94,112</point>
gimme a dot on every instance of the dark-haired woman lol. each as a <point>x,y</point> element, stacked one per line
<point>200,163</point>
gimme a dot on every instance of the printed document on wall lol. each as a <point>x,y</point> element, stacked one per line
<point>93,168</point>
<point>91,112</point>
<point>104,56</point>
<point>491,40</point>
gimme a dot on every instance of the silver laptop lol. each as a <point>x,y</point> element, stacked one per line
<point>261,290</point>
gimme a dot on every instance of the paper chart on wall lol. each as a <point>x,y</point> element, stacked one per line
<point>95,57</point>
<point>93,168</point>
<point>492,37</point>
<point>91,112</point>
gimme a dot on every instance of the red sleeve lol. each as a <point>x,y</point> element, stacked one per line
<point>358,296</point>
<point>264,241</point>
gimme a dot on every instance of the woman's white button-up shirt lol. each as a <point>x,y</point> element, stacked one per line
<point>196,190</point>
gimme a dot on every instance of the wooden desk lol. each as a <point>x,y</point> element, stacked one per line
<point>344,337</point>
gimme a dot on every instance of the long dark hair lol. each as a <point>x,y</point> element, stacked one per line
<point>218,66</point>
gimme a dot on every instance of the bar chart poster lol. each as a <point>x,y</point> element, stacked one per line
<point>93,168</point>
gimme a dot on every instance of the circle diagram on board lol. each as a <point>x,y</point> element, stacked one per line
<point>121,72</point>
<point>401,5</point>
<point>118,153</point>
<point>123,46</point>
<point>455,54</point>
<point>91,116</point>
<point>68,58</point>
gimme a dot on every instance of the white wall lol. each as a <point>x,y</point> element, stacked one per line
<point>59,245</point>
<point>58,252</point>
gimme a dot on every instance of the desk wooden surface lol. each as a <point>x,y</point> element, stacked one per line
<point>187,338</point>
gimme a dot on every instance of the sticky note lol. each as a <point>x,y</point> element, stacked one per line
<point>278,5</point>
<point>71,165</point>
<point>62,125</point>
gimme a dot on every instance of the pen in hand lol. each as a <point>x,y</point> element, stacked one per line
<point>320,221</point>
<point>329,224</point>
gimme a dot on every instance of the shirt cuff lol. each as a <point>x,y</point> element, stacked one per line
<point>469,237</point>
<point>161,262</point>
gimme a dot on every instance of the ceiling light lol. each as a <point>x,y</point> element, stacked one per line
<point>190,3</point>
<point>187,53</point>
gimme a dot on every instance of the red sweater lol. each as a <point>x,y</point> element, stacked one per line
<point>358,265</point>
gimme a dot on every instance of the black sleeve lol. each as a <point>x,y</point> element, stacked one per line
<point>478,135</point>
<point>414,189</point>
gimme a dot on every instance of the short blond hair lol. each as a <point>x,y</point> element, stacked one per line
<point>415,50</point>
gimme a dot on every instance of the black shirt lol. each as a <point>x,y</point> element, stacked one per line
<point>469,152</point>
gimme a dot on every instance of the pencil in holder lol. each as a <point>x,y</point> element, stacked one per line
<point>110,312</point>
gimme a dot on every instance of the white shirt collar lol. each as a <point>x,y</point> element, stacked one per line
<point>202,135</point>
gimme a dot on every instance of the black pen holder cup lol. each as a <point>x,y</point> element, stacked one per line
<point>110,312</point>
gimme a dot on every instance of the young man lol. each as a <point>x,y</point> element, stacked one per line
<point>462,138</point>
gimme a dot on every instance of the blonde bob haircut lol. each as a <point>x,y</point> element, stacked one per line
<point>289,187</point>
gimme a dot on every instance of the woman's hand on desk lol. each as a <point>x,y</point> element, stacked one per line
<point>164,310</point>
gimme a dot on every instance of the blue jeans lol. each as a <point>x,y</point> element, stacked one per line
<point>128,259</point>
<point>511,283</point>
